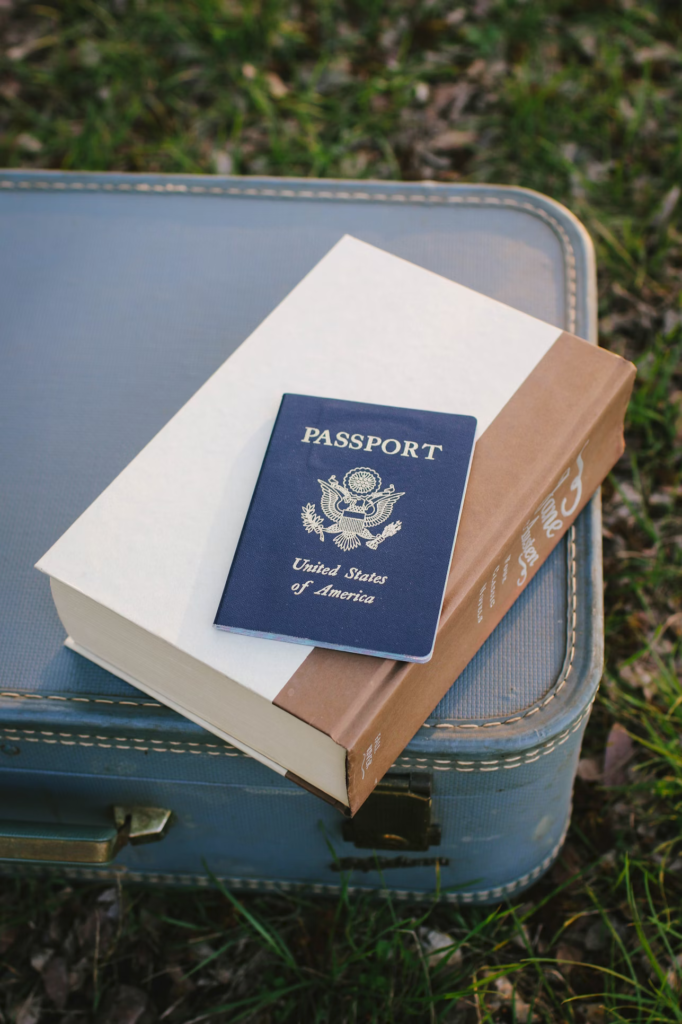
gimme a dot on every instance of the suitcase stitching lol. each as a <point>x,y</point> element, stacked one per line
<point>518,761</point>
<point>348,196</point>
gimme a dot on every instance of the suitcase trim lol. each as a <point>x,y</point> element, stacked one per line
<point>323,189</point>
<point>241,884</point>
<point>67,739</point>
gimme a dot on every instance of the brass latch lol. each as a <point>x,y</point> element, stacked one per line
<point>397,816</point>
<point>142,824</point>
<point>82,844</point>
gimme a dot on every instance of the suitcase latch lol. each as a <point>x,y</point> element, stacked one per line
<point>140,825</point>
<point>61,843</point>
<point>397,816</point>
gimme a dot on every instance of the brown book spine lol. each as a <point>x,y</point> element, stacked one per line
<point>465,626</point>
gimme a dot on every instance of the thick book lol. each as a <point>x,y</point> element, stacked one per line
<point>138,577</point>
<point>336,471</point>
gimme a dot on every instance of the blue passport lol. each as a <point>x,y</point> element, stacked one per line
<point>350,532</point>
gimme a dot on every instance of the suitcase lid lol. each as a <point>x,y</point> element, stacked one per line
<point>122,293</point>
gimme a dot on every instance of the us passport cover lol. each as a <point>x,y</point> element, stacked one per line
<point>349,537</point>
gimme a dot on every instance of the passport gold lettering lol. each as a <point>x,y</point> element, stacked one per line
<point>306,566</point>
<point>298,588</point>
<point>345,595</point>
<point>391,441</point>
<point>364,577</point>
<point>389,446</point>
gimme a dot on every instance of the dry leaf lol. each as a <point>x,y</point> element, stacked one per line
<point>11,88</point>
<point>521,1008</point>
<point>589,769</point>
<point>126,1007</point>
<point>477,68</point>
<point>182,984</point>
<point>438,947</point>
<point>619,752</point>
<point>667,207</point>
<point>29,143</point>
<point>640,676</point>
<point>7,937</point>
<point>673,622</point>
<point>676,399</point>
<point>422,92</point>
<point>30,45</point>
<point>567,956</point>
<point>222,161</point>
<point>29,1012</point>
<point>674,975</point>
<point>354,164</point>
<point>655,54</point>
<point>626,109</point>
<point>278,90</point>
<point>39,958</point>
<point>629,493</point>
<point>109,895</point>
<point>56,981</point>
<point>455,17</point>
<point>522,938</point>
<point>463,93</point>
<point>89,53</point>
<point>96,931</point>
<point>451,140</point>
<point>78,973</point>
<point>596,937</point>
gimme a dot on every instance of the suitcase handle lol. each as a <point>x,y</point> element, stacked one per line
<point>83,844</point>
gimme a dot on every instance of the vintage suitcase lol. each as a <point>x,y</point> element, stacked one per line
<point>120,294</point>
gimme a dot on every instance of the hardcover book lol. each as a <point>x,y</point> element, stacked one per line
<point>364,467</point>
<point>138,577</point>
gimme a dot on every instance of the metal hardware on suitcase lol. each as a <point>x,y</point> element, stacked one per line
<point>120,295</point>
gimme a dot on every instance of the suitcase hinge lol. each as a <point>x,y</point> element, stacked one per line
<point>396,816</point>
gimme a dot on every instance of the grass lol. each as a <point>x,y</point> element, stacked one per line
<point>582,101</point>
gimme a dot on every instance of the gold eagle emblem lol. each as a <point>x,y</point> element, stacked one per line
<point>354,507</point>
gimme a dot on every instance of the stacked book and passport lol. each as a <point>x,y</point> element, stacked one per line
<point>277,564</point>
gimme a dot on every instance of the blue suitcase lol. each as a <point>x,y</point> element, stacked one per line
<point>120,294</point>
